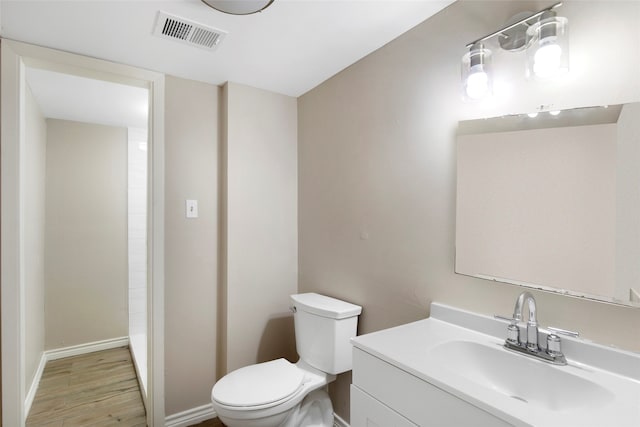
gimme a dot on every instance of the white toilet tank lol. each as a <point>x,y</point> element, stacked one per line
<point>324,327</point>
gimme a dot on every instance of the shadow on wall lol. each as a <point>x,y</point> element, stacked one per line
<point>340,398</point>
<point>278,340</point>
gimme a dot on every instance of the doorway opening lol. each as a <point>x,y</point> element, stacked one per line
<point>86,209</point>
<point>82,218</point>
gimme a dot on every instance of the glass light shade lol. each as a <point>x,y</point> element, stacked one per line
<point>477,81</point>
<point>548,52</point>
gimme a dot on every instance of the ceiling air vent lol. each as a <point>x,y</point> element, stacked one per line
<point>188,32</point>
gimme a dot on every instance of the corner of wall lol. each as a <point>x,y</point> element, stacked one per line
<point>221,357</point>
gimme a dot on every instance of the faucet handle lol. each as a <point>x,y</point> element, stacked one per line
<point>563,332</point>
<point>508,319</point>
<point>513,334</point>
<point>554,347</point>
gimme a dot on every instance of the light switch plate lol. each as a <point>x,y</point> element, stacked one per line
<point>192,208</point>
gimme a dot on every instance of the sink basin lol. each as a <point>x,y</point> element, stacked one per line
<point>517,376</point>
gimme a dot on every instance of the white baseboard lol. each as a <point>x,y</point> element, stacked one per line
<point>59,353</point>
<point>339,422</point>
<point>31,394</point>
<point>90,347</point>
<point>191,416</point>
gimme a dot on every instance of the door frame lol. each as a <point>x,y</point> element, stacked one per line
<point>14,58</point>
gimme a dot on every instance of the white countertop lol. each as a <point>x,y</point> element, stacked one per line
<point>410,348</point>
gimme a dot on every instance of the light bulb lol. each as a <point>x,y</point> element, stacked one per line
<point>477,83</point>
<point>546,61</point>
<point>476,73</point>
<point>533,115</point>
<point>548,54</point>
<point>554,112</point>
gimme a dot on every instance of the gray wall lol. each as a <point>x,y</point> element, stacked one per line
<point>260,228</point>
<point>191,245</point>
<point>86,233</point>
<point>226,289</point>
<point>34,235</point>
<point>377,182</point>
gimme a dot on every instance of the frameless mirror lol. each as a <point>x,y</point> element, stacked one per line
<point>553,201</point>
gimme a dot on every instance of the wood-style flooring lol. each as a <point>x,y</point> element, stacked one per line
<point>96,389</point>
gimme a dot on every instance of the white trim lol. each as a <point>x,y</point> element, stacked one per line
<point>141,381</point>
<point>155,254</point>
<point>339,422</point>
<point>31,394</point>
<point>14,57</point>
<point>90,347</point>
<point>191,416</point>
<point>11,236</point>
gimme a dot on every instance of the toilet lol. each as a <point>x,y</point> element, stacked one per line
<point>282,394</point>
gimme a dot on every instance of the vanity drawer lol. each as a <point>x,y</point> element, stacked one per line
<point>368,412</point>
<point>413,398</point>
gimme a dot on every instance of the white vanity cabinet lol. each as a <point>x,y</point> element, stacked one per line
<point>383,395</point>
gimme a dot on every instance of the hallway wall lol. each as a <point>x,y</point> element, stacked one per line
<point>86,233</point>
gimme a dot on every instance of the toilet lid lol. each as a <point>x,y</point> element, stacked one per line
<point>259,384</point>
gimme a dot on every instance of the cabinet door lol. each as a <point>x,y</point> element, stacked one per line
<point>369,412</point>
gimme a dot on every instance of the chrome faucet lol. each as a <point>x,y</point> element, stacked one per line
<point>532,323</point>
<point>530,347</point>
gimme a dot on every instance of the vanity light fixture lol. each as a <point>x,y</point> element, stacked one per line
<point>554,112</point>
<point>533,115</point>
<point>543,35</point>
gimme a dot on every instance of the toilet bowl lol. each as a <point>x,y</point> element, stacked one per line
<point>279,393</point>
<point>274,394</point>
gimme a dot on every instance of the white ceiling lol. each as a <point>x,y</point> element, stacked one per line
<point>289,48</point>
<point>83,26</point>
<point>67,97</point>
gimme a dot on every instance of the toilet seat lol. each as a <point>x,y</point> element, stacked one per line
<point>262,385</point>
